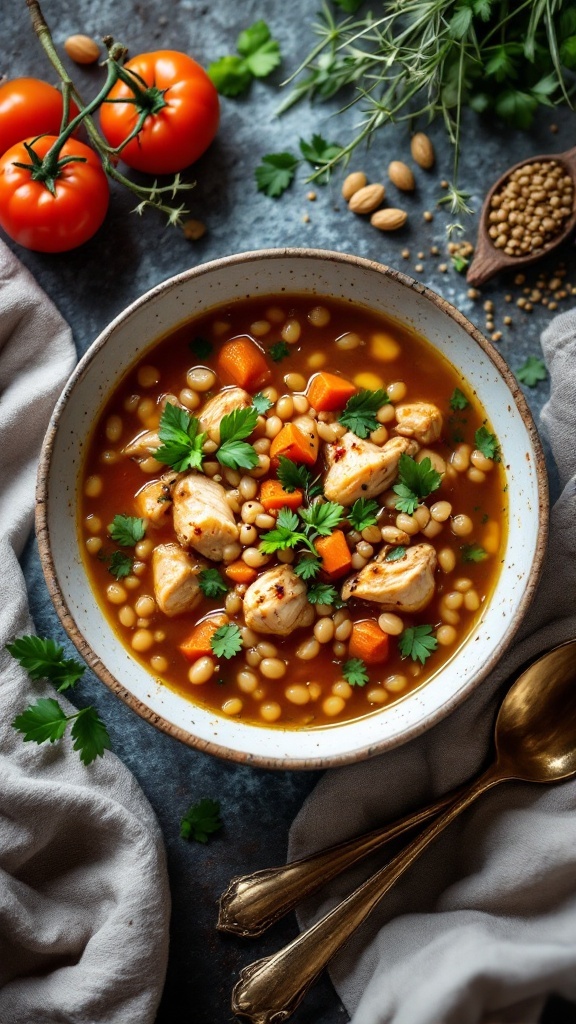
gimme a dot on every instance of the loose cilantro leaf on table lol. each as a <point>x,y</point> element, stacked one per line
<point>90,735</point>
<point>364,512</point>
<point>211,583</point>
<point>278,351</point>
<point>226,641</point>
<point>324,593</point>
<point>532,371</point>
<point>458,400</point>
<point>296,477</point>
<point>261,403</point>
<point>417,642</point>
<point>44,659</point>
<point>355,672</point>
<point>275,173</point>
<point>234,451</point>
<point>473,553</point>
<point>258,55</point>
<point>45,721</point>
<point>127,530</point>
<point>181,446</point>
<point>202,348</point>
<point>360,410</point>
<point>320,154</point>
<point>201,820</point>
<point>395,554</point>
<point>417,481</point>
<point>487,443</point>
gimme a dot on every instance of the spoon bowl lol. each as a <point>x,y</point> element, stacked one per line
<point>488,260</point>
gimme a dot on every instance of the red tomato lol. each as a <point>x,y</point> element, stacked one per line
<point>29,107</point>
<point>37,219</point>
<point>178,133</point>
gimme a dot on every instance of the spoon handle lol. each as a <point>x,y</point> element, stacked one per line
<point>251,903</point>
<point>269,990</point>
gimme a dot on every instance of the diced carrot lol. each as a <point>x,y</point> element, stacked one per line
<point>241,362</point>
<point>293,443</point>
<point>239,572</point>
<point>197,645</point>
<point>335,554</point>
<point>327,392</point>
<point>367,641</point>
<point>273,496</point>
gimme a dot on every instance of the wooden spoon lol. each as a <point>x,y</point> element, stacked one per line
<point>488,260</point>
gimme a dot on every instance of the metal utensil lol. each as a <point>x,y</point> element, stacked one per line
<point>535,738</point>
<point>487,259</point>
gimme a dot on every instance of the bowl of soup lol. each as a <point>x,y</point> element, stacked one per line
<point>292,507</point>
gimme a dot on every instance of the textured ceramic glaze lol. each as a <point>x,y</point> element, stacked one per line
<point>195,292</point>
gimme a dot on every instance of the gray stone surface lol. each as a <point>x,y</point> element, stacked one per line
<point>128,256</point>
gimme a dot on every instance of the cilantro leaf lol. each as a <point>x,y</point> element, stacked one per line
<point>275,173</point>
<point>364,512</point>
<point>416,642</point>
<point>285,534</point>
<point>459,262</point>
<point>260,51</point>
<point>320,154</point>
<point>323,593</point>
<point>308,567</point>
<point>202,348</point>
<point>211,583</point>
<point>230,75</point>
<point>234,452</point>
<point>355,672</point>
<point>201,820</point>
<point>279,351</point>
<point>359,413</point>
<point>119,564</point>
<point>226,641</point>
<point>261,403</point>
<point>395,554</point>
<point>90,735</point>
<point>323,518</point>
<point>181,446</point>
<point>297,477</point>
<point>487,443</point>
<point>42,721</point>
<point>44,659</point>
<point>532,371</point>
<point>417,481</point>
<point>473,553</point>
<point>458,400</point>
<point>127,530</point>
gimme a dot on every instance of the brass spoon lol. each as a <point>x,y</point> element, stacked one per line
<point>535,737</point>
<point>488,260</point>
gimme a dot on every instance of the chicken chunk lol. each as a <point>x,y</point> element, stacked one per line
<point>405,585</point>
<point>175,576</point>
<point>360,469</point>
<point>221,405</point>
<point>203,519</point>
<point>277,602</point>
<point>154,502</point>
<point>420,420</point>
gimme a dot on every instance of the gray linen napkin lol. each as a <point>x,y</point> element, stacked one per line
<point>483,927</point>
<point>84,900</point>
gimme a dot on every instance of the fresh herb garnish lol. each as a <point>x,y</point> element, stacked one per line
<point>321,155</point>
<point>127,530</point>
<point>45,721</point>
<point>275,173</point>
<point>278,351</point>
<point>201,348</point>
<point>532,371</point>
<point>323,593</point>
<point>458,400</point>
<point>459,262</point>
<point>395,554</point>
<point>473,553</point>
<point>286,534</point>
<point>359,413</point>
<point>295,476</point>
<point>355,672</point>
<point>44,659</point>
<point>364,512</point>
<point>322,518</point>
<point>258,53</point>
<point>308,566</point>
<point>181,446</point>
<point>487,443</point>
<point>201,820</point>
<point>234,452</point>
<point>303,528</point>
<point>417,481</point>
<point>119,564</point>
<point>261,403</point>
<point>211,583</point>
<point>417,642</point>
<point>226,641</point>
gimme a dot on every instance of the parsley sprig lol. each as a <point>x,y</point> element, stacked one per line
<point>301,529</point>
<point>417,481</point>
<point>46,721</point>
<point>277,170</point>
<point>127,530</point>
<point>458,400</point>
<point>355,672</point>
<point>234,452</point>
<point>359,413</point>
<point>279,351</point>
<point>226,641</point>
<point>261,403</point>
<point>211,583</point>
<point>258,55</point>
<point>473,553</point>
<point>417,642</point>
<point>532,372</point>
<point>201,820</point>
<point>487,443</point>
<point>297,477</point>
<point>364,512</point>
<point>181,439</point>
<point>324,593</point>
<point>118,563</point>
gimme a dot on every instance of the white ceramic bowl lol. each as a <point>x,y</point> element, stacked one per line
<point>312,272</point>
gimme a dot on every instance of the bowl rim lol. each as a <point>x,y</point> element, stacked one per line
<point>86,651</point>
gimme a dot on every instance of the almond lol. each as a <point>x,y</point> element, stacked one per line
<point>353,183</point>
<point>401,176</point>
<point>367,199</point>
<point>82,49</point>
<point>389,219</point>
<point>422,150</point>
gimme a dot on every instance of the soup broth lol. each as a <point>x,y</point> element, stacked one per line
<point>293,511</point>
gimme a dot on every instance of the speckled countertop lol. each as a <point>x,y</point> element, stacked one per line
<point>127,257</point>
